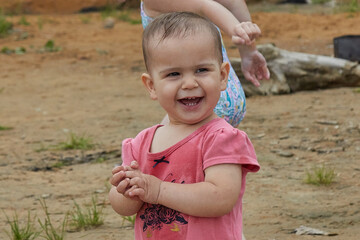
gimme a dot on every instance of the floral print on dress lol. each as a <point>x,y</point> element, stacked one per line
<point>157,215</point>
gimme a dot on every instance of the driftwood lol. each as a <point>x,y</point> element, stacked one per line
<point>294,71</point>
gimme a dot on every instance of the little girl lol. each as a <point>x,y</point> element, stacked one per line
<point>185,179</point>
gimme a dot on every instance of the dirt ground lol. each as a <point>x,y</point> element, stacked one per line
<point>91,87</point>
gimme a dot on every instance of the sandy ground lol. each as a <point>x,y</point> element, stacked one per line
<point>91,88</point>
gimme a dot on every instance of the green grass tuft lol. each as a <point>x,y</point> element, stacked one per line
<point>18,232</point>
<point>40,23</point>
<point>320,1</point>
<point>76,142</point>
<point>6,50</point>
<point>58,165</point>
<point>356,90</point>
<point>18,50</point>
<point>85,19</point>
<point>353,6</point>
<point>83,219</point>
<point>23,21</point>
<point>5,26</point>
<point>109,11</point>
<point>100,160</point>
<point>130,219</point>
<point>3,128</point>
<point>125,17</point>
<point>349,7</point>
<point>52,232</point>
<point>320,176</point>
<point>50,47</point>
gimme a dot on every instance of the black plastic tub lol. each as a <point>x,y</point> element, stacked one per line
<point>347,47</point>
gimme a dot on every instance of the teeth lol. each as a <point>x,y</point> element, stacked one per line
<point>190,101</point>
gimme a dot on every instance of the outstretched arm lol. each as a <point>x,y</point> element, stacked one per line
<point>210,9</point>
<point>214,197</point>
<point>238,8</point>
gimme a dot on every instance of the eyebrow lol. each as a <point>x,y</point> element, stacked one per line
<point>170,69</point>
<point>175,69</point>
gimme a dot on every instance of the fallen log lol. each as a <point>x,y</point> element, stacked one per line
<point>295,71</point>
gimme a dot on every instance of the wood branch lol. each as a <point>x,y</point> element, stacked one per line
<point>294,71</point>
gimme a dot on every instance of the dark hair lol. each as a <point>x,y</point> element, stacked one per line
<point>179,24</point>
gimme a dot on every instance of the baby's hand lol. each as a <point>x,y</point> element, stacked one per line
<point>119,179</point>
<point>143,186</point>
<point>245,33</point>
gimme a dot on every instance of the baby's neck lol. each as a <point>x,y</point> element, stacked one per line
<point>172,133</point>
<point>174,123</point>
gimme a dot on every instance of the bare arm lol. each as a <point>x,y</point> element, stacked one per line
<point>123,205</point>
<point>214,197</point>
<point>213,10</point>
<point>238,8</point>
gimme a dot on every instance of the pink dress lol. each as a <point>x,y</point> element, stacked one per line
<point>217,142</point>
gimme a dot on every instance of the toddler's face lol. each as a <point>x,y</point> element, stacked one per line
<point>186,77</point>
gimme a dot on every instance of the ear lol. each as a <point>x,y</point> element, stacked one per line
<point>224,71</point>
<point>149,85</point>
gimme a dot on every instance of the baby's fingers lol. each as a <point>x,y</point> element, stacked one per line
<point>134,165</point>
<point>132,174</point>
<point>117,169</point>
<point>123,185</point>
<point>237,40</point>
<point>258,31</point>
<point>240,36</point>
<point>251,29</point>
<point>117,178</point>
<point>137,192</point>
<point>130,189</point>
<point>247,31</point>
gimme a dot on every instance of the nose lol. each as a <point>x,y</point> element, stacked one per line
<point>189,82</point>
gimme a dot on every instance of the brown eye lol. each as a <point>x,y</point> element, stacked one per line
<point>173,74</point>
<point>200,70</point>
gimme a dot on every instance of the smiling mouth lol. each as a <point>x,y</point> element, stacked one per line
<point>191,101</point>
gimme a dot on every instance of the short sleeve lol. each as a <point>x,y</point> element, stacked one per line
<point>229,145</point>
<point>132,148</point>
<point>127,152</point>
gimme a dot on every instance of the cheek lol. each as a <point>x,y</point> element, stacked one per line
<point>214,91</point>
<point>167,90</point>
